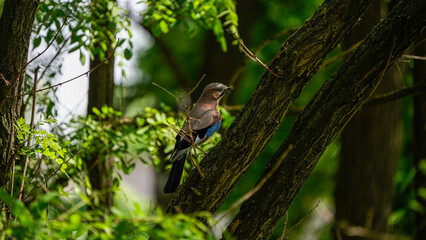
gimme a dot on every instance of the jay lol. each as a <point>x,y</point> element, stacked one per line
<point>203,120</point>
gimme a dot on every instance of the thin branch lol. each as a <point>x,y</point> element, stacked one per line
<point>340,55</point>
<point>51,175</point>
<point>4,79</point>
<point>24,67</point>
<point>48,46</point>
<point>397,94</point>
<point>374,89</point>
<point>54,57</point>
<point>285,226</point>
<point>277,35</point>
<point>413,57</point>
<point>301,220</point>
<point>27,158</point>
<point>196,86</point>
<point>262,181</point>
<point>72,79</point>
<point>254,57</point>
<point>237,74</point>
<point>188,122</point>
<point>177,98</point>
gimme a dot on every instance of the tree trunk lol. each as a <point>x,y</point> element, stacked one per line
<point>300,59</point>
<point>370,150</point>
<point>15,30</point>
<point>419,132</point>
<point>324,117</point>
<point>101,92</point>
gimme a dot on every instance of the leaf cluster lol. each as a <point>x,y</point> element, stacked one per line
<point>215,15</point>
<point>55,216</point>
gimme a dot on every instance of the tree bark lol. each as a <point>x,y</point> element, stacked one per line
<point>419,132</point>
<point>324,117</point>
<point>299,60</point>
<point>101,92</point>
<point>15,30</point>
<point>370,149</point>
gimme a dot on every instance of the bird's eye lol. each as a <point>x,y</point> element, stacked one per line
<point>220,89</point>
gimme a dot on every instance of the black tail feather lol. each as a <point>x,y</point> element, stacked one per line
<point>175,174</point>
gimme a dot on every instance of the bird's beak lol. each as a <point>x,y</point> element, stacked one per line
<point>227,90</point>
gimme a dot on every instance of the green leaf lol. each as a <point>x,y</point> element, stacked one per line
<point>96,111</point>
<point>128,54</point>
<point>46,152</point>
<point>37,42</point>
<point>82,58</point>
<point>163,26</point>
<point>74,49</point>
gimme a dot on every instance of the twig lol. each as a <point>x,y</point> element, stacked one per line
<point>74,208</point>
<point>183,135</point>
<point>48,46</point>
<point>69,80</point>
<point>414,57</point>
<point>177,98</point>
<point>193,146</point>
<point>342,54</point>
<point>54,57</point>
<point>254,57</point>
<point>37,169</point>
<point>395,95</point>
<point>285,226</point>
<point>27,158</point>
<point>259,185</point>
<point>374,89</point>
<point>196,86</point>
<point>197,166</point>
<point>4,79</point>
<point>301,220</point>
<point>24,67</point>
<point>240,70</point>
<point>188,122</point>
<point>277,35</point>
<point>51,175</point>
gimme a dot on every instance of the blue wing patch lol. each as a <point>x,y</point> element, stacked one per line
<point>213,128</point>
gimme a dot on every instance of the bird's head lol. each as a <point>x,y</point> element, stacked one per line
<point>215,91</point>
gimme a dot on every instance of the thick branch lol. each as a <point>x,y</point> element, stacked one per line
<point>304,53</point>
<point>326,115</point>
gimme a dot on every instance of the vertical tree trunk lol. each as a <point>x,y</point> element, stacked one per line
<point>419,131</point>
<point>370,150</point>
<point>15,30</point>
<point>101,92</point>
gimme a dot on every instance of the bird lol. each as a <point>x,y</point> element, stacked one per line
<point>203,120</point>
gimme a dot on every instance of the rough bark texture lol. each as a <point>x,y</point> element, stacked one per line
<point>15,30</point>
<point>301,58</point>
<point>101,92</point>
<point>370,149</point>
<point>325,115</point>
<point>419,132</point>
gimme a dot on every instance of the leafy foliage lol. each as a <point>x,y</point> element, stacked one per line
<point>213,15</point>
<point>89,25</point>
<point>55,217</point>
